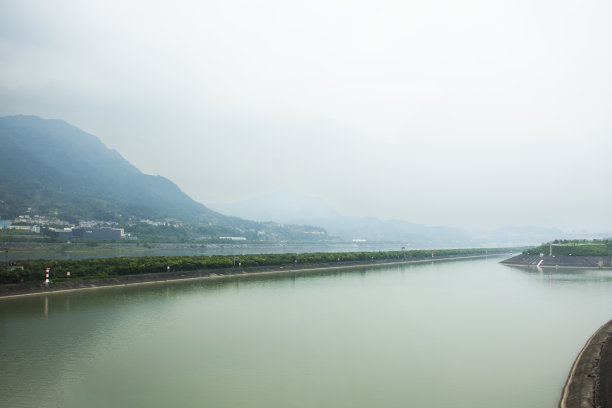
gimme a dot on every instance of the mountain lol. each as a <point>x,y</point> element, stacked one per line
<point>51,165</point>
<point>287,207</point>
<point>57,169</point>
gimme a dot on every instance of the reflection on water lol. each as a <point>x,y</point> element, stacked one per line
<point>567,275</point>
<point>462,333</point>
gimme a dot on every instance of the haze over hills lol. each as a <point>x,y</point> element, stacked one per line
<point>287,207</point>
<point>56,168</point>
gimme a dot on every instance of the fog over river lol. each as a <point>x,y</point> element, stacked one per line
<point>463,333</point>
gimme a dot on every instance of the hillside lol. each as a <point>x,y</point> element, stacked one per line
<point>56,169</point>
<point>50,165</point>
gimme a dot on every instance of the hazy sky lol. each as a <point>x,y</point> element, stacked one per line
<point>459,113</point>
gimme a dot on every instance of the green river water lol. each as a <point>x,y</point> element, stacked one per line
<point>463,333</point>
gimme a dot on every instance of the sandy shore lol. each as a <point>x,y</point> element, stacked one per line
<point>19,290</point>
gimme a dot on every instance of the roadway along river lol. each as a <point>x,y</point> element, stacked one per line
<point>469,333</point>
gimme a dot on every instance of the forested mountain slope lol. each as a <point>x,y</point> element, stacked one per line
<point>51,165</point>
<point>57,169</point>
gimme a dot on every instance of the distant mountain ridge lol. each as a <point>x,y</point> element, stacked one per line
<point>49,164</point>
<point>288,207</point>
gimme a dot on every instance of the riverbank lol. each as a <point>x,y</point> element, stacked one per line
<point>547,261</point>
<point>589,383</point>
<point>110,268</point>
<point>30,289</point>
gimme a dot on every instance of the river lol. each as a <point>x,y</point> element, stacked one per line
<point>469,333</point>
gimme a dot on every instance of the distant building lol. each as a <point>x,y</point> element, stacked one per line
<point>98,233</point>
<point>29,228</point>
<point>234,238</point>
<point>4,224</point>
<point>65,233</point>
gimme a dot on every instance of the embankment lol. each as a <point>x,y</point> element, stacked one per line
<point>589,384</point>
<point>547,261</point>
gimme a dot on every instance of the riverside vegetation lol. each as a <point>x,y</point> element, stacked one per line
<point>33,270</point>
<point>577,247</point>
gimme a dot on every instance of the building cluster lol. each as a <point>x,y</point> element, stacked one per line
<point>87,233</point>
<point>40,220</point>
<point>96,223</point>
<point>7,224</point>
<point>168,222</point>
<point>87,229</point>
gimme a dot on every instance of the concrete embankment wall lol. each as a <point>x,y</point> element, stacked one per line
<point>560,261</point>
<point>588,384</point>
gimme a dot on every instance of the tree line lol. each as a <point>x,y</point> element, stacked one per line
<point>98,268</point>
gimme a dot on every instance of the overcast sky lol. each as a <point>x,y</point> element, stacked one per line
<point>459,113</point>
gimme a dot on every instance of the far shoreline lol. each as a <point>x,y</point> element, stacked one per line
<point>148,279</point>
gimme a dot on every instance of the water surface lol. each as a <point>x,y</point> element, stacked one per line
<point>458,333</point>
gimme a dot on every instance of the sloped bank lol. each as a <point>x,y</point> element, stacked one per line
<point>547,261</point>
<point>589,384</point>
